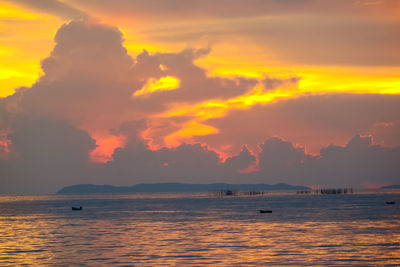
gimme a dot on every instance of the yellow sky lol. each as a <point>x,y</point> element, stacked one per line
<point>26,37</point>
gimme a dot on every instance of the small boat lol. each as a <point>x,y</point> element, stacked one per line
<point>265,211</point>
<point>228,192</point>
<point>390,202</point>
<point>77,208</point>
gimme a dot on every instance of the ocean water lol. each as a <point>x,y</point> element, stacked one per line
<point>198,229</point>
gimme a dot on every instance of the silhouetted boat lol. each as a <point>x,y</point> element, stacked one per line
<point>77,208</point>
<point>265,211</point>
<point>229,192</point>
<point>390,202</point>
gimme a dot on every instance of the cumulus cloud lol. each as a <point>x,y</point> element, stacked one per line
<point>47,155</point>
<point>240,162</point>
<point>315,121</point>
<point>358,163</point>
<point>90,79</point>
<point>189,163</point>
<point>185,163</point>
<point>89,83</point>
<point>86,78</point>
<point>355,164</point>
<point>279,158</point>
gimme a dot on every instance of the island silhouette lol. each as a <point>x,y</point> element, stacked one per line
<point>172,187</point>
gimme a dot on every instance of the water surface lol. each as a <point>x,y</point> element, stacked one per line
<point>187,229</point>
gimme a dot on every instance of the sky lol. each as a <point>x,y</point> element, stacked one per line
<point>121,92</point>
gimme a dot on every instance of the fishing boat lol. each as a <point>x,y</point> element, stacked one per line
<point>77,208</point>
<point>265,211</point>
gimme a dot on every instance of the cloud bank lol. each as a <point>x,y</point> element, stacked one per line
<point>48,131</point>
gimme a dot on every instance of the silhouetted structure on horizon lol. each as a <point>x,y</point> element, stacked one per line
<point>327,191</point>
<point>228,192</point>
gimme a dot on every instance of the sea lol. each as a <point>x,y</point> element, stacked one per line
<point>196,229</point>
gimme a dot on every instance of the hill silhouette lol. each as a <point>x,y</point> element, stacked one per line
<point>172,187</point>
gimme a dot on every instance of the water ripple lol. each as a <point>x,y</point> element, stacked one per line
<point>189,230</point>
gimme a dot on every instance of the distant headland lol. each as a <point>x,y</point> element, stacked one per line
<point>394,186</point>
<point>172,187</point>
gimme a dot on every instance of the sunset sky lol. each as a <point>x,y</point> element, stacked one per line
<point>259,91</point>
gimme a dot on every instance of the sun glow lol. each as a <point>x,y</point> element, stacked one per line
<point>20,66</point>
<point>11,12</point>
<point>26,38</point>
<point>166,83</point>
<point>189,129</point>
<point>105,148</point>
<point>218,108</point>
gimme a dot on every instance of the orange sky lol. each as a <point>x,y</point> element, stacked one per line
<point>353,48</point>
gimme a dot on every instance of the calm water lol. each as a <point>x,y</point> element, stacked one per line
<point>149,230</point>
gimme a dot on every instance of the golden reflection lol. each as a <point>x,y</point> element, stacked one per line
<point>163,231</point>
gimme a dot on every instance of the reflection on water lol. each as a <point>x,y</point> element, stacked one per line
<point>357,229</point>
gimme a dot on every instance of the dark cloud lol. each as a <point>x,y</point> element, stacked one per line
<point>279,158</point>
<point>185,163</point>
<point>358,163</point>
<point>47,155</point>
<point>189,163</point>
<point>4,115</point>
<point>240,162</point>
<point>311,120</point>
<point>43,155</point>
